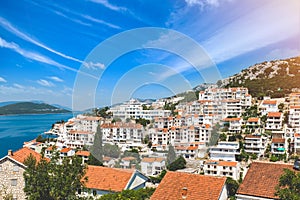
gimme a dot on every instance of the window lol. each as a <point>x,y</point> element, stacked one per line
<point>15,168</point>
<point>94,192</point>
<point>13,182</point>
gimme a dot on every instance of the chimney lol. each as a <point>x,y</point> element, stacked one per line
<point>10,152</point>
<point>184,192</point>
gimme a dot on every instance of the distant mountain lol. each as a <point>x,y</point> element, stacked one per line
<point>273,78</point>
<point>30,108</point>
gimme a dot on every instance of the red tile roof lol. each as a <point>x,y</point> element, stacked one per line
<point>109,179</point>
<point>198,187</point>
<point>65,150</point>
<point>221,163</point>
<point>253,119</point>
<point>274,114</point>
<point>262,178</point>
<point>272,102</point>
<point>231,119</point>
<point>278,140</point>
<point>151,160</point>
<point>21,155</point>
<point>83,153</point>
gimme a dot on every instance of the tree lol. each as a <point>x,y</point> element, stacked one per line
<point>111,150</point>
<point>232,186</point>
<point>140,194</point>
<point>158,178</point>
<point>223,137</point>
<point>289,185</point>
<point>94,161</point>
<point>171,156</point>
<point>97,148</point>
<point>57,179</point>
<point>179,163</point>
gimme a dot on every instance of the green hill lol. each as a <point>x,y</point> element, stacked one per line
<point>30,108</point>
<point>274,78</point>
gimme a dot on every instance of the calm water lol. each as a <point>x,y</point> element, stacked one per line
<point>15,129</point>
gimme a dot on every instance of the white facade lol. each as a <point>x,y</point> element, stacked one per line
<point>255,144</point>
<point>152,166</point>
<point>294,116</point>
<point>224,151</point>
<point>222,168</point>
<point>278,146</point>
<point>274,121</point>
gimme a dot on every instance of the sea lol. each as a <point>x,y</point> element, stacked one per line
<point>16,129</point>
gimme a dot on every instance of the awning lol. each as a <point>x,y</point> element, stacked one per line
<point>280,149</point>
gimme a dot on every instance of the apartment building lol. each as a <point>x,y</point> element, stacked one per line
<point>152,166</point>
<point>134,109</point>
<point>121,132</point>
<point>294,99</point>
<point>278,146</point>
<point>224,151</point>
<point>222,168</point>
<point>235,124</point>
<point>267,106</point>
<point>294,116</point>
<point>274,121</point>
<point>297,143</point>
<point>255,144</point>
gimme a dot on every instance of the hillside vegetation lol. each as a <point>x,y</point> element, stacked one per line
<point>274,78</point>
<point>30,108</point>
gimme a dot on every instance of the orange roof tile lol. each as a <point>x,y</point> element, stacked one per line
<point>262,178</point>
<point>252,136</point>
<point>253,119</point>
<point>294,107</point>
<point>129,158</point>
<point>278,140</point>
<point>83,153</point>
<point>231,119</point>
<point>152,159</point>
<point>222,163</point>
<point>274,114</point>
<point>198,187</point>
<point>109,179</point>
<point>21,155</point>
<point>65,150</point>
<point>192,148</point>
<point>271,102</point>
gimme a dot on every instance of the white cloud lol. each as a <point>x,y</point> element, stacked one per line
<point>72,19</point>
<point>108,5</point>
<point>45,83</point>
<point>100,21</point>
<point>32,55</point>
<point>283,53</point>
<point>203,3</point>
<point>5,24</point>
<point>91,65</point>
<point>16,85</point>
<point>54,78</point>
<point>2,80</point>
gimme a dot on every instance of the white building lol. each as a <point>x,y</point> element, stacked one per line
<point>278,146</point>
<point>267,106</point>
<point>121,132</point>
<point>297,143</point>
<point>151,166</point>
<point>274,121</point>
<point>134,109</point>
<point>224,151</point>
<point>255,144</point>
<point>222,168</point>
<point>235,124</point>
<point>294,116</point>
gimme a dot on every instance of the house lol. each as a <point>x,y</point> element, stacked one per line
<point>66,152</point>
<point>126,162</point>
<point>294,116</point>
<point>104,180</point>
<point>180,185</point>
<point>152,166</point>
<point>84,155</point>
<point>267,106</point>
<point>254,123</point>
<point>274,121</point>
<point>235,124</point>
<point>224,151</point>
<point>222,168</point>
<point>11,171</point>
<point>255,144</point>
<point>297,143</point>
<point>278,146</point>
<point>261,180</point>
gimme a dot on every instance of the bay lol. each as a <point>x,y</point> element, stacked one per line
<point>16,129</point>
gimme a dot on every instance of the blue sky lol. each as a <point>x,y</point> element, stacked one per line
<point>52,50</point>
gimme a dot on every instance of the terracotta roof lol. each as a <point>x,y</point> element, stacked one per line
<point>79,132</point>
<point>129,158</point>
<point>65,150</point>
<point>21,155</point>
<point>109,179</point>
<point>274,114</point>
<point>297,135</point>
<point>198,187</point>
<point>261,179</point>
<point>253,136</point>
<point>152,159</point>
<point>272,102</point>
<point>231,119</point>
<point>278,140</point>
<point>253,119</point>
<point>83,153</point>
<point>294,107</point>
<point>221,163</point>
<point>192,148</point>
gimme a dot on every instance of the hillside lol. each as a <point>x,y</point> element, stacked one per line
<point>274,78</point>
<point>30,108</point>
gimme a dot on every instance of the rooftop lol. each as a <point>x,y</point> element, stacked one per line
<point>262,179</point>
<point>197,187</point>
<point>21,155</point>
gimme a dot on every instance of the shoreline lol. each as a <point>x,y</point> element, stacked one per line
<point>70,112</point>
